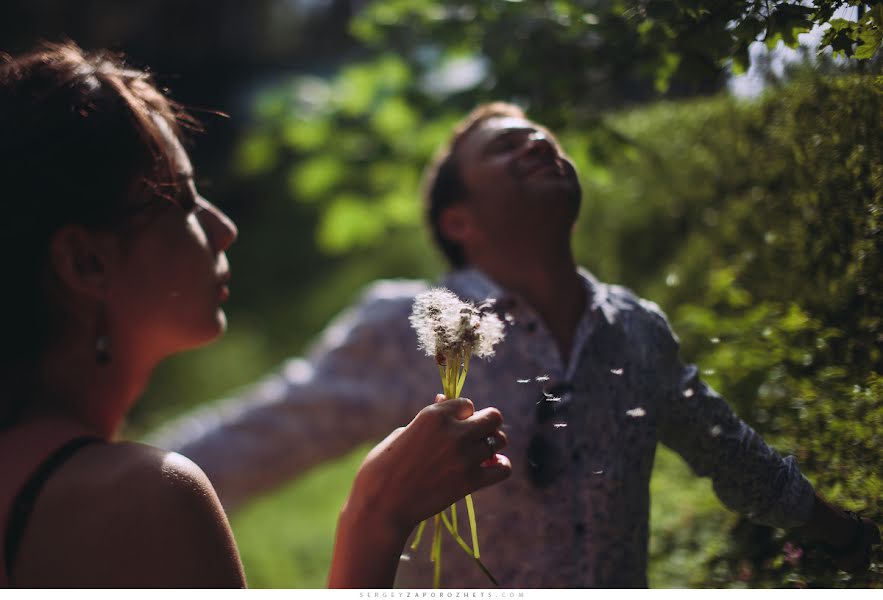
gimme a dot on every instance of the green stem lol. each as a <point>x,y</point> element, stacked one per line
<point>470,509</point>
<point>462,379</point>
<point>452,374</point>
<point>452,530</point>
<point>454,515</point>
<point>419,535</point>
<point>456,536</point>
<point>436,553</point>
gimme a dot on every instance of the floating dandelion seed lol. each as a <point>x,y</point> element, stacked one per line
<point>709,372</point>
<point>636,413</point>
<point>548,395</point>
<point>688,392</point>
<point>542,378</point>
<point>715,340</point>
<point>601,472</point>
<point>715,431</point>
<point>523,380</point>
<point>559,425</point>
<point>549,398</point>
<point>616,371</point>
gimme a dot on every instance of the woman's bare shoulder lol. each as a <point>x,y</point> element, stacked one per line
<point>128,515</point>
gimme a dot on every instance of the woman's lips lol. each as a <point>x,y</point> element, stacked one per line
<point>224,287</point>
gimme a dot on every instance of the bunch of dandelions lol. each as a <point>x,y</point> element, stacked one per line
<point>451,331</point>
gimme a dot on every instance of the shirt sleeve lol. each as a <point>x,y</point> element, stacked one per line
<point>748,476</point>
<point>361,381</point>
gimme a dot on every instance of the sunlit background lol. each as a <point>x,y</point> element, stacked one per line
<point>738,183</point>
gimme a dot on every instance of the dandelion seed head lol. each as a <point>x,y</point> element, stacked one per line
<point>446,325</point>
<point>636,413</point>
<point>490,332</point>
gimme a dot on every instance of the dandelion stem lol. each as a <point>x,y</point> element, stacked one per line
<point>470,510</point>
<point>436,553</point>
<point>452,529</point>
<point>419,535</point>
<point>462,379</point>
<point>454,515</point>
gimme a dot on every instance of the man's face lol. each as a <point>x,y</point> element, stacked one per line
<point>519,183</point>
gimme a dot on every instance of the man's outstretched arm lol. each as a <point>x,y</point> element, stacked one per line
<point>750,477</point>
<point>359,383</point>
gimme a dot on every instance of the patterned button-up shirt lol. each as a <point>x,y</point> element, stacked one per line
<point>582,435</point>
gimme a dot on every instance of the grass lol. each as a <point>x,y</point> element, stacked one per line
<point>286,537</point>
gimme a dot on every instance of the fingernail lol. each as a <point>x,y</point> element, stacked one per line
<point>439,397</point>
<point>491,462</point>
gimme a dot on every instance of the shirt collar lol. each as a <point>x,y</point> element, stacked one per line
<point>475,285</point>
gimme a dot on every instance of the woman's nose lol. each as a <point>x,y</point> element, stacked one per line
<point>221,229</point>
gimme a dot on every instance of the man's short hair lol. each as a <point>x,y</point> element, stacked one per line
<point>443,185</point>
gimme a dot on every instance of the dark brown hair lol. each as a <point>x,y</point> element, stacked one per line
<point>80,143</point>
<point>443,185</point>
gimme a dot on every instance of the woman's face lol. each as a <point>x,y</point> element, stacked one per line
<point>168,286</point>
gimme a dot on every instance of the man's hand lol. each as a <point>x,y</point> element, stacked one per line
<point>845,536</point>
<point>856,558</point>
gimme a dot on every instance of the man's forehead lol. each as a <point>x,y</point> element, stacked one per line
<point>490,128</point>
<point>495,124</point>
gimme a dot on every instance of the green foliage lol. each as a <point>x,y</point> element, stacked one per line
<point>759,226</point>
<point>286,538</point>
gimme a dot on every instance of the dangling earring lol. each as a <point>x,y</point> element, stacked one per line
<point>102,341</point>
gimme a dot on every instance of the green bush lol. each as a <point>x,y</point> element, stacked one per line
<point>758,226</point>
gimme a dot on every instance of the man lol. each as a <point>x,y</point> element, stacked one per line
<point>588,378</point>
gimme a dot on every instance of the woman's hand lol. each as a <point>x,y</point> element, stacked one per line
<point>441,456</point>
<point>416,472</point>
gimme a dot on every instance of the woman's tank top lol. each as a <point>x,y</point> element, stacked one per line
<point>29,453</point>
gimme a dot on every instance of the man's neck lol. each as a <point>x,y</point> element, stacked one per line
<point>553,288</point>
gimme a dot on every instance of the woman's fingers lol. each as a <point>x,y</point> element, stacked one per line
<point>458,408</point>
<point>484,422</point>
<point>479,450</point>
<point>490,472</point>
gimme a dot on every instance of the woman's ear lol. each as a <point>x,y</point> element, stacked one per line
<point>79,259</point>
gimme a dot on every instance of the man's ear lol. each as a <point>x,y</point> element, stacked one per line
<point>79,258</point>
<point>455,223</point>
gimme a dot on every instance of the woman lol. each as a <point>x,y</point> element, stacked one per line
<point>113,262</point>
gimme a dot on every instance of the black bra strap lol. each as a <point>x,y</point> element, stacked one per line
<point>24,502</point>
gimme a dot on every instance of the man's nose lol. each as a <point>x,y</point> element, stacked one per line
<point>539,143</point>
